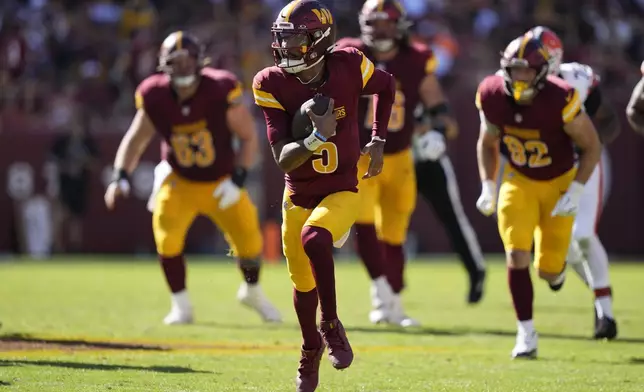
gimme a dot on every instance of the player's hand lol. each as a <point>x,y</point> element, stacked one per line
<point>115,190</point>
<point>326,123</point>
<point>228,193</point>
<point>376,150</point>
<point>431,145</point>
<point>486,203</point>
<point>568,203</point>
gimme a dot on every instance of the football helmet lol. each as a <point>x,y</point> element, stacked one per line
<point>525,52</point>
<point>383,38</point>
<point>175,46</point>
<point>552,43</point>
<point>303,33</point>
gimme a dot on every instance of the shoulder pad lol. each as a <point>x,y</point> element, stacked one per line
<point>148,88</point>
<point>263,89</point>
<point>348,42</point>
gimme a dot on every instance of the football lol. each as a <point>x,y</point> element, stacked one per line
<point>302,125</point>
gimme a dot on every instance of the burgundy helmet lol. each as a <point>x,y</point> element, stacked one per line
<point>385,39</point>
<point>524,52</point>
<point>303,33</point>
<point>178,44</point>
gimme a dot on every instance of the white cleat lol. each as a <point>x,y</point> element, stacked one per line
<point>251,295</point>
<point>398,316</point>
<point>178,317</point>
<point>381,300</point>
<point>526,345</point>
<point>181,311</point>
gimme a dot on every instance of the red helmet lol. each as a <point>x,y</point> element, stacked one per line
<point>303,33</point>
<point>552,43</point>
<point>524,52</point>
<point>383,40</point>
<point>178,44</point>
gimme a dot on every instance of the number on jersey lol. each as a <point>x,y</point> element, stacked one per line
<point>193,149</point>
<point>397,118</point>
<point>533,153</point>
<point>328,158</point>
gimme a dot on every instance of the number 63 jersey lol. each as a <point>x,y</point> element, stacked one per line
<point>532,136</point>
<point>197,141</point>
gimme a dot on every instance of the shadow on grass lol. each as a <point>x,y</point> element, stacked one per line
<point>637,360</point>
<point>477,331</point>
<point>5,383</point>
<point>21,341</point>
<point>101,366</point>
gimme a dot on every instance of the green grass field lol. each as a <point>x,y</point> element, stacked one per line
<point>95,325</point>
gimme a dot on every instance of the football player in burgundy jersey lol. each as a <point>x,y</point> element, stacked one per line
<point>197,111</point>
<point>321,174</point>
<point>389,200</point>
<point>535,119</point>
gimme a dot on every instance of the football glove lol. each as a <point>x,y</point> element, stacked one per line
<point>431,145</point>
<point>487,201</point>
<point>228,193</point>
<point>568,203</point>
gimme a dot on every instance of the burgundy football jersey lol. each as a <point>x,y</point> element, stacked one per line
<point>532,136</point>
<point>409,67</point>
<point>198,142</point>
<point>333,167</point>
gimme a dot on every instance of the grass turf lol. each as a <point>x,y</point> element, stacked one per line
<point>95,325</point>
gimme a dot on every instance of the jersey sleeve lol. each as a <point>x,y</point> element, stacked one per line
<point>430,62</point>
<point>275,116</point>
<point>572,106</point>
<point>143,93</point>
<point>482,103</point>
<point>233,89</point>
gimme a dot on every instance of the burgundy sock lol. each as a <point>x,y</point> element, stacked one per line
<point>174,269</point>
<point>250,269</point>
<point>395,259</point>
<point>603,292</point>
<point>370,250</point>
<point>522,293</point>
<point>306,307</point>
<point>318,245</point>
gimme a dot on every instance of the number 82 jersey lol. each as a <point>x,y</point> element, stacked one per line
<point>532,136</point>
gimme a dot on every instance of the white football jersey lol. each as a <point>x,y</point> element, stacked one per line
<point>580,76</point>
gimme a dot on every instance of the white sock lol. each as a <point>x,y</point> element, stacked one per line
<point>181,300</point>
<point>526,327</point>
<point>604,307</point>
<point>598,263</point>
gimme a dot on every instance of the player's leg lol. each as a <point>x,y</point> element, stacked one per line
<point>240,225</point>
<point>329,222</point>
<point>305,295</point>
<point>369,247</point>
<point>173,213</point>
<point>585,237</point>
<point>440,188</point>
<point>518,215</point>
<point>394,207</point>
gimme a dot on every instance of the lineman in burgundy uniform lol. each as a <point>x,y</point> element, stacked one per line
<point>320,197</point>
<point>196,110</point>
<point>389,199</point>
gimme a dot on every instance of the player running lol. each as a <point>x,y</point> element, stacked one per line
<point>535,119</point>
<point>635,108</point>
<point>388,201</point>
<point>197,111</point>
<point>587,255</point>
<point>321,201</point>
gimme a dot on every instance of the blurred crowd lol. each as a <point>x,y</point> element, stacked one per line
<point>70,63</point>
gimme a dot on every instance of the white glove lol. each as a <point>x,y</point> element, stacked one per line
<point>431,145</point>
<point>487,201</point>
<point>228,193</point>
<point>568,203</point>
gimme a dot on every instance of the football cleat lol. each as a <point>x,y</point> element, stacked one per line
<point>558,283</point>
<point>252,296</point>
<point>397,314</point>
<point>179,316</point>
<point>477,283</point>
<point>381,300</point>
<point>606,329</point>
<point>308,373</point>
<point>335,338</point>
<point>526,345</point>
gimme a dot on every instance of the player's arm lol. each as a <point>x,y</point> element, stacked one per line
<point>136,140</point>
<point>603,115</point>
<point>242,124</point>
<point>487,150</point>
<point>382,86</point>
<point>635,108</point>
<point>580,128</point>
<point>435,111</point>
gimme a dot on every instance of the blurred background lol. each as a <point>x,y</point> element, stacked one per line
<point>68,70</point>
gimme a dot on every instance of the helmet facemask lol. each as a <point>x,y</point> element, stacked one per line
<point>381,32</point>
<point>294,50</point>
<point>182,67</point>
<point>521,80</point>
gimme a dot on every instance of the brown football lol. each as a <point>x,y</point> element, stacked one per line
<point>302,125</point>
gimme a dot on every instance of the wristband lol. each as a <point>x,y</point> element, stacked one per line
<point>319,135</point>
<point>239,176</point>
<point>120,174</point>
<point>312,142</point>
